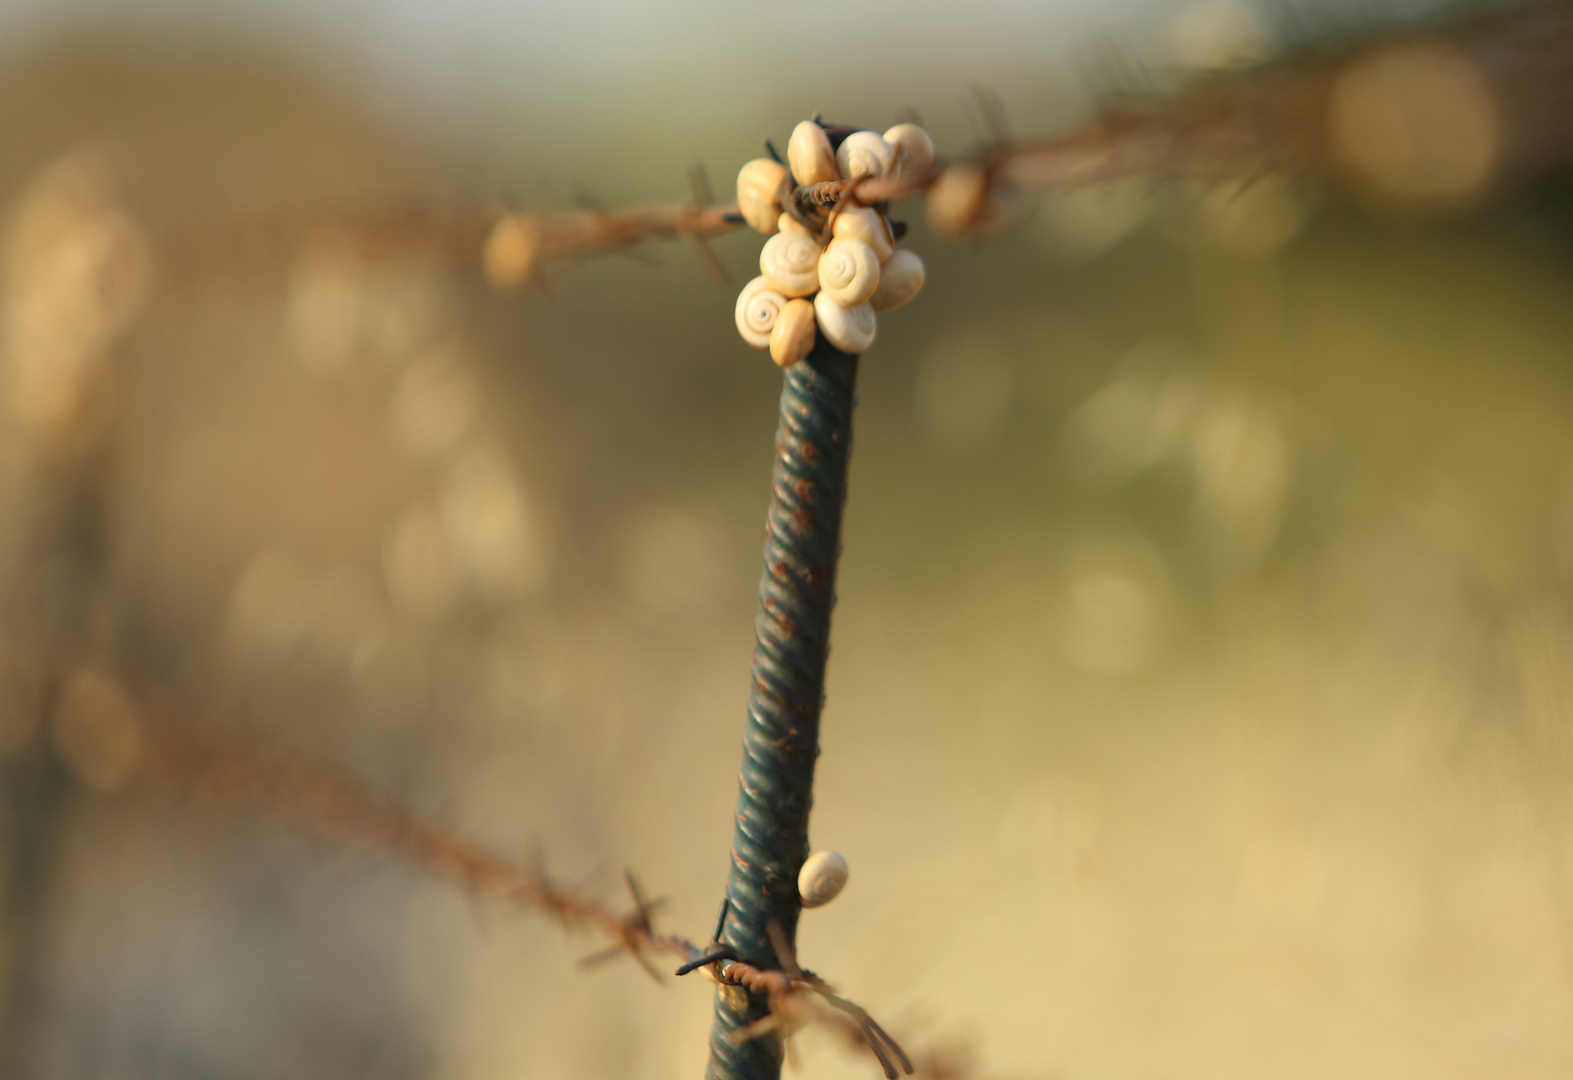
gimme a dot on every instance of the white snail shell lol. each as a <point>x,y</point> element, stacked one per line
<point>759,305</point>
<point>793,335</point>
<point>791,260</point>
<point>788,223</point>
<point>868,225</point>
<point>809,154</point>
<point>848,271</point>
<point>900,279</point>
<point>822,878</point>
<point>864,153</point>
<point>850,329</point>
<point>758,190</point>
<point>914,149</point>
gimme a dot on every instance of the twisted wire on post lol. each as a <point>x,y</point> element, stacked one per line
<point>781,735</point>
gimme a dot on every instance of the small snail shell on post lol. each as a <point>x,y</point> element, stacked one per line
<point>759,305</point>
<point>810,155</point>
<point>868,225</point>
<point>791,260</point>
<point>758,190</point>
<point>822,878</point>
<point>914,149</point>
<point>793,335</point>
<point>864,153</point>
<point>900,279</point>
<point>848,271</point>
<point>850,329</point>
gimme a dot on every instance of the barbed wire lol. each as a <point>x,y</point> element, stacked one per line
<point>1434,120</point>
<point>175,753</point>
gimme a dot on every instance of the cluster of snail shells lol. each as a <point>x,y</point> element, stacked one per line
<point>812,283</point>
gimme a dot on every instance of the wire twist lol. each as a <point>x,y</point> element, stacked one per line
<point>781,734</point>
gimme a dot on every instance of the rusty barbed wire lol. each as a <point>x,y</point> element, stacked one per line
<point>1428,120</point>
<point>1439,118</point>
<point>133,735</point>
<point>520,245</point>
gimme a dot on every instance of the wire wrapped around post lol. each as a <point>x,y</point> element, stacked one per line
<point>781,735</point>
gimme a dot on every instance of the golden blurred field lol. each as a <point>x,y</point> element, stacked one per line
<point>1202,680</point>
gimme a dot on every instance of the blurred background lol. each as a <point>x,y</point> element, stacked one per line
<point>1201,687</point>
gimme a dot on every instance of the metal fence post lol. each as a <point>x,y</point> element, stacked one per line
<point>791,642</point>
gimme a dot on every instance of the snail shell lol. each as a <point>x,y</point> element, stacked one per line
<point>789,224</point>
<point>914,149</point>
<point>965,201</point>
<point>513,251</point>
<point>900,279</point>
<point>864,153</point>
<point>791,260</point>
<point>758,193</point>
<point>850,329</point>
<point>955,201</point>
<point>822,878</point>
<point>793,335</point>
<point>758,307</point>
<point>810,155</point>
<point>868,225</point>
<point>848,271</point>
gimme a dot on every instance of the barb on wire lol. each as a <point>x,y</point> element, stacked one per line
<point>1433,118</point>
<point>797,997</point>
<point>174,754</point>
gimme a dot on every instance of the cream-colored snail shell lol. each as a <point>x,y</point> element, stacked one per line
<point>848,271</point>
<point>822,878</point>
<point>913,148</point>
<point>955,201</point>
<point>758,191</point>
<point>868,225</point>
<point>864,153</point>
<point>900,279</point>
<point>965,201</point>
<point>850,329</point>
<point>791,260</point>
<point>759,305</point>
<point>793,335</point>
<point>513,251</point>
<point>810,155</point>
<point>788,223</point>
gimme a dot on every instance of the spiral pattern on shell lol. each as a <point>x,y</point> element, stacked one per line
<point>822,878</point>
<point>791,260</point>
<point>831,262</point>
<point>848,271</point>
<point>864,153</point>
<point>758,307</point>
